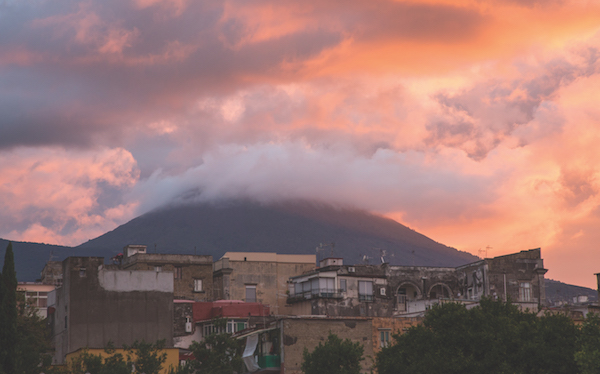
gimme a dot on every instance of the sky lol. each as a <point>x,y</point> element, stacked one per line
<point>474,122</point>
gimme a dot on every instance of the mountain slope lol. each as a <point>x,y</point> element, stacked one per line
<point>290,227</point>
<point>30,258</point>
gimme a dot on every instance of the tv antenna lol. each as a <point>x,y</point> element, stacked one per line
<point>365,259</point>
<point>382,253</point>
<point>484,252</point>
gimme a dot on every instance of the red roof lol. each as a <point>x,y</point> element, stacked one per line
<point>228,308</point>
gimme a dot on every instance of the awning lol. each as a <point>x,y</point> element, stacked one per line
<point>244,335</point>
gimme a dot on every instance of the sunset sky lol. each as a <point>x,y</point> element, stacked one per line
<point>474,122</point>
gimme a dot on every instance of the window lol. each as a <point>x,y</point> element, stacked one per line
<point>250,293</point>
<point>525,291</point>
<point>235,326</point>
<point>402,299</point>
<point>36,299</point>
<point>327,285</point>
<point>198,285</point>
<point>365,291</point>
<point>82,272</point>
<point>178,272</point>
<point>343,285</point>
<point>158,268</point>
<point>384,338</point>
<point>314,285</point>
<point>209,330</point>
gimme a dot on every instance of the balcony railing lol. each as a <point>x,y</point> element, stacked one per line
<point>365,297</point>
<point>323,293</point>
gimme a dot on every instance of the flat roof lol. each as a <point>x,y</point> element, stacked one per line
<point>270,257</point>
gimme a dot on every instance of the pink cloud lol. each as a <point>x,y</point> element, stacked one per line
<point>53,195</point>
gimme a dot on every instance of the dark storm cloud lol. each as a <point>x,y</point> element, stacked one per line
<point>80,73</point>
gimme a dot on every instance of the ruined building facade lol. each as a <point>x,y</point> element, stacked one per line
<point>383,290</point>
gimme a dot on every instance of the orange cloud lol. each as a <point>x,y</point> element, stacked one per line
<point>52,195</point>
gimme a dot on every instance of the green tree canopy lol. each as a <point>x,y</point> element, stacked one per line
<point>335,356</point>
<point>217,353</point>
<point>494,337</point>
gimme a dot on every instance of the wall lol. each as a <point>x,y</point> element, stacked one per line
<point>95,315</point>
<point>192,267</point>
<point>270,273</point>
<point>172,359</point>
<point>503,275</point>
<point>300,333</point>
<point>395,325</point>
<point>52,273</point>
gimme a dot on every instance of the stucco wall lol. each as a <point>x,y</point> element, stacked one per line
<point>270,279</point>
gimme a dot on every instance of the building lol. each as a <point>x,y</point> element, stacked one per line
<point>36,296</point>
<point>52,273</point>
<point>278,347</point>
<point>192,274</point>
<point>383,290</point>
<point>96,305</point>
<point>518,277</point>
<point>383,329</point>
<point>258,277</point>
<point>194,321</point>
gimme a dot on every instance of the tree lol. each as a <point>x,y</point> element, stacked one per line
<point>8,313</point>
<point>588,354</point>
<point>33,345</point>
<point>335,356</point>
<point>146,356</point>
<point>495,337</point>
<point>217,353</point>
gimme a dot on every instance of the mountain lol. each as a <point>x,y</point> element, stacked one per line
<point>559,293</point>
<point>288,227</point>
<point>30,258</point>
<point>285,227</point>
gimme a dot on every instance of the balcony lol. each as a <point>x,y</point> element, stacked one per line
<point>320,293</point>
<point>365,297</point>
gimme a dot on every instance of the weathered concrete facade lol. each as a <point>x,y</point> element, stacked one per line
<point>258,277</point>
<point>52,273</point>
<point>298,333</point>
<point>96,305</point>
<point>518,277</point>
<point>192,274</point>
<point>384,290</point>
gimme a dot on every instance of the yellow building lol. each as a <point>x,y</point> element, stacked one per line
<point>172,360</point>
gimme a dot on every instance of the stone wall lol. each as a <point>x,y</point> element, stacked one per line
<point>181,313</point>
<point>394,325</point>
<point>300,333</point>
<point>192,267</point>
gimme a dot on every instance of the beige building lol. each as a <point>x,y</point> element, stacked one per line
<point>36,296</point>
<point>258,277</point>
